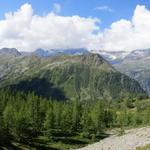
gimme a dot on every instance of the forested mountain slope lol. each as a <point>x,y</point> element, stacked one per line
<point>87,77</point>
<point>137,66</point>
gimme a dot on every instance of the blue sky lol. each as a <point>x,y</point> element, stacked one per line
<point>120,8</point>
<point>92,24</point>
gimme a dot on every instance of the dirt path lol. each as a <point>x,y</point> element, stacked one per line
<point>132,139</point>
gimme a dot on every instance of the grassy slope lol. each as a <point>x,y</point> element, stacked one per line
<point>146,147</point>
<point>89,77</point>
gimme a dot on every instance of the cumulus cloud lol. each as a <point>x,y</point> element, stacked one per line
<point>129,34</point>
<point>27,31</point>
<point>104,8</point>
<point>56,7</point>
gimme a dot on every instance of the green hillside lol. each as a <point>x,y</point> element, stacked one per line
<point>88,77</point>
<point>65,102</point>
<point>138,69</point>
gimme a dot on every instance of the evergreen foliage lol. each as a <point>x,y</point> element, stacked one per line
<point>24,117</point>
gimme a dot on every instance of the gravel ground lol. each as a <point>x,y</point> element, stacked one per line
<point>129,141</point>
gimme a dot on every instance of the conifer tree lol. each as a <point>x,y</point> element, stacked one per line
<point>98,117</point>
<point>49,122</point>
<point>75,115</point>
<point>34,113</point>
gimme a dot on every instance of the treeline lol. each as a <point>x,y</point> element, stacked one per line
<point>24,117</point>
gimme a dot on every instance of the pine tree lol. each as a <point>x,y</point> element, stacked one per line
<point>66,122</point>
<point>1,124</point>
<point>86,122</point>
<point>58,114</point>
<point>146,116</point>
<point>98,117</point>
<point>75,115</point>
<point>21,127</point>
<point>49,122</point>
<point>35,113</point>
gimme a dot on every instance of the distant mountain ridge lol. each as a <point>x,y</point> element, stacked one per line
<point>135,64</point>
<point>111,56</point>
<point>44,53</point>
<point>138,54</point>
<point>87,76</point>
<point>56,52</point>
<point>10,51</point>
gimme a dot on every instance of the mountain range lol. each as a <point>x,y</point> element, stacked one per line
<point>71,74</point>
<point>137,66</point>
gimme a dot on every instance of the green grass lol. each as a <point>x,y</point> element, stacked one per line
<point>147,147</point>
<point>60,142</point>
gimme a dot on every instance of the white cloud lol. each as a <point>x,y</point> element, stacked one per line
<point>56,7</point>
<point>104,8</point>
<point>26,31</point>
<point>129,34</point>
